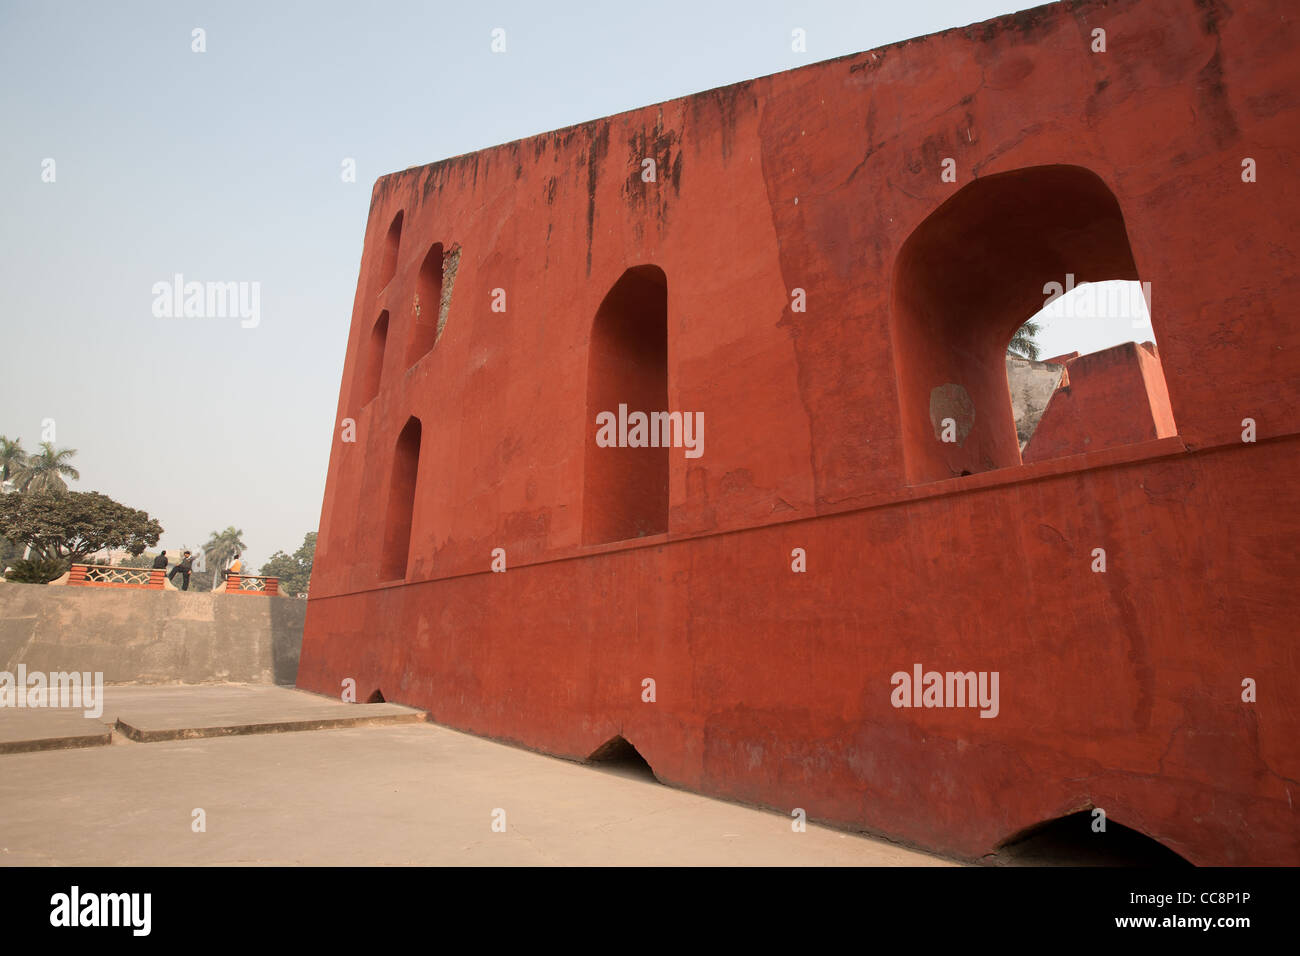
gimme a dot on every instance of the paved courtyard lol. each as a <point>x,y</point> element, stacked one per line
<point>287,777</point>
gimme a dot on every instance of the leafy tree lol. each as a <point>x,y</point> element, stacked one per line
<point>222,547</point>
<point>9,553</point>
<point>144,560</point>
<point>73,524</point>
<point>12,457</point>
<point>199,581</point>
<point>1022,343</point>
<point>294,571</point>
<point>46,469</point>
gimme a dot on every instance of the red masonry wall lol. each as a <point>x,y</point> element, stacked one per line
<point>1121,690</point>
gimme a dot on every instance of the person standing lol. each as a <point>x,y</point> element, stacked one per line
<point>183,569</point>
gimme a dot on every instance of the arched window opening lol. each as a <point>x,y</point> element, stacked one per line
<point>401,503</point>
<point>388,262</point>
<point>427,306</point>
<point>965,282</point>
<point>626,488</point>
<point>372,359</point>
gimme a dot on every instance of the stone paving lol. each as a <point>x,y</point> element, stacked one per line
<point>281,776</point>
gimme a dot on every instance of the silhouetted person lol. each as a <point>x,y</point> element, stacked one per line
<point>160,562</point>
<point>183,569</point>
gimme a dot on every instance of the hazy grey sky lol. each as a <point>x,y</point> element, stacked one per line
<point>225,166</point>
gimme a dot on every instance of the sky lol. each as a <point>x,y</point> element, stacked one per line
<point>226,165</point>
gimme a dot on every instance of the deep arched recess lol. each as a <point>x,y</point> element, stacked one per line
<point>625,493</point>
<point>403,479</point>
<point>966,278</point>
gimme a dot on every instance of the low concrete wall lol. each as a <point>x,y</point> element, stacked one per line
<point>150,636</point>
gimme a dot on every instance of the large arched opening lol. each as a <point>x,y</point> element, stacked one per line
<point>625,491</point>
<point>372,361</point>
<point>965,281</point>
<point>401,502</point>
<point>388,259</point>
<point>427,306</point>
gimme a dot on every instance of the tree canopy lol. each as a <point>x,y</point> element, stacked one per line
<point>222,547</point>
<point>45,470</point>
<point>12,458</point>
<point>293,570</point>
<point>73,524</point>
<point>1022,343</point>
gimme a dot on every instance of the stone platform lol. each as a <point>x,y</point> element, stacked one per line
<point>23,730</point>
<point>153,714</point>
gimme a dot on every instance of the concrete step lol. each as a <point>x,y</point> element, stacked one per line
<point>146,731</point>
<point>23,731</point>
<point>149,714</point>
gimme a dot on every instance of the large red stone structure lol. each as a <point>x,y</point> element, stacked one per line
<point>801,272</point>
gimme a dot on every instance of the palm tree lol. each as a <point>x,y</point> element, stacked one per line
<point>222,547</point>
<point>45,470</point>
<point>12,457</point>
<point>1022,343</point>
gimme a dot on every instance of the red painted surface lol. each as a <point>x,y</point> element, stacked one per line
<point>235,584</point>
<point>1120,690</point>
<point>77,577</point>
<point>1113,397</point>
